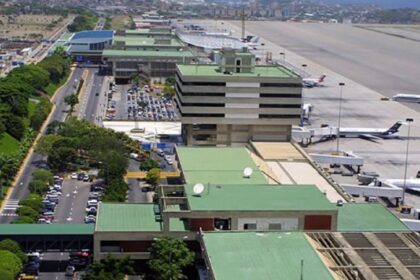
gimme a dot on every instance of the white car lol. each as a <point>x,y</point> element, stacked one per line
<point>74,175</point>
<point>92,202</point>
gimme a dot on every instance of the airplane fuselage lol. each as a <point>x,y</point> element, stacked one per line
<point>408,98</point>
<point>356,132</point>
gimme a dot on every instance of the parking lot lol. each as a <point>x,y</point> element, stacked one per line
<point>145,103</point>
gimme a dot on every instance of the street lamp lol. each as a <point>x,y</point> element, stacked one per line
<point>408,121</point>
<point>283,54</point>
<point>339,115</point>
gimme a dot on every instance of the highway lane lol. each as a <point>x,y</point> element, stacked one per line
<point>91,113</point>
<point>20,190</point>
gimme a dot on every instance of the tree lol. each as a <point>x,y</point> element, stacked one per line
<point>38,187</point>
<point>23,220</point>
<point>169,91</point>
<point>116,191</point>
<point>45,144</point>
<point>33,201</point>
<point>170,81</point>
<point>10,262</point>
<point>41,112</point>
<point>168,257</point>
<point>13,247</point>
<point>6,275</point>
<point>43,175</point>
<point>110,268</point>
<point>33,75</point>
<point>71,100</point>
<point>15,127</point>
<point>114,165</point>
<point>62,158</point>
<point>153,176</point>
<point>26,211</point>
<point>149,164</point>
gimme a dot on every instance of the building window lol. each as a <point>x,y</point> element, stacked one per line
<point>274,226</point>
<point>204,115</point>
<point>281,95</point>
<point>238,65</point>
<point>280,85</point>
<point>272,116</point>
<point>280,105</point>
<point>250,226</point>
<point>222,224</point>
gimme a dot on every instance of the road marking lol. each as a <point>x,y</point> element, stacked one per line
<point>9,214</point>
<point>67,195</point>
<point>11,204</point>
<point>69,219</point>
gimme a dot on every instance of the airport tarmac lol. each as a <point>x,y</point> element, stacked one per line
<point>381,57</point>
<point>361,107</point>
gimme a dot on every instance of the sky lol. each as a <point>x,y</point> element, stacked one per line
<point>383,3</point>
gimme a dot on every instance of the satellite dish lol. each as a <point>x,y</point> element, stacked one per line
<point>198,189</point>
<point>248,172</point>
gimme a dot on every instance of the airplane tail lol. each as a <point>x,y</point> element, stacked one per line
<point>394,129</point>
<point>254,39</point>
<point>322,78</point>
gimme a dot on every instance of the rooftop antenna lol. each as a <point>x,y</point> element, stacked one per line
<point>198,189</point>
<point>248,172</point>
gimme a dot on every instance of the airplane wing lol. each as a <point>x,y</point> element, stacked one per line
<point>369,137</point>
<point>414,189</point>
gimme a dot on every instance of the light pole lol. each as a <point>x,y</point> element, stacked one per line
<point>339,116</point>
<point>408,121</point>
<point>283,54</point>
<point>304,71</point>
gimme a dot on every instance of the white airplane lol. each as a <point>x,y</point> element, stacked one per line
<point>409,98</point>
<point>313,82</point>
<point>411,184</point>
<point>370,133</point>
<point>251,42</point>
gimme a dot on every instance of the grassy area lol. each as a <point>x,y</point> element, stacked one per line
<point>121,22</point>
<point>52,87</point>
<point>8,144</point>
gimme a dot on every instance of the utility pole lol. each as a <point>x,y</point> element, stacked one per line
<point>243,23</point>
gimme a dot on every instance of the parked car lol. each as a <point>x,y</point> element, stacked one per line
<point>70,270</point>
<point>80,176</point>
<point>91,210</point>
<point>74,175</point>
<point>44,221</point>
<point>90,219</point>
<point>92,202</point>
<point>86,178</point>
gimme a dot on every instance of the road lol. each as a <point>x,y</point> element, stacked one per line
<point>71,208</point>
<point>20,190</point>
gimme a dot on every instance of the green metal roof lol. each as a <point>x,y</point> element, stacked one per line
<point>258,198</point>
<point>145,41</point>
<point>213,71</point>
<point>218,165</point>
<point>44,229</point>
<point>135,53</point>
<point>263,256</point>
<point>126,217</point>
<point>367,217</point>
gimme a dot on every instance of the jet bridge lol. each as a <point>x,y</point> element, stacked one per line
<point>347,159</point>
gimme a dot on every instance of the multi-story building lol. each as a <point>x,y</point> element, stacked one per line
<point>237,101</point>
<point>152,53</point>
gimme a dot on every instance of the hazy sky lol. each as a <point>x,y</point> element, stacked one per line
<point>384,3</point>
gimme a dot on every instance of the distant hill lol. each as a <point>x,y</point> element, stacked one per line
<point>381,3</point>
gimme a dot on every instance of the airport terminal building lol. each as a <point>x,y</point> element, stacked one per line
<point>235,101</point>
